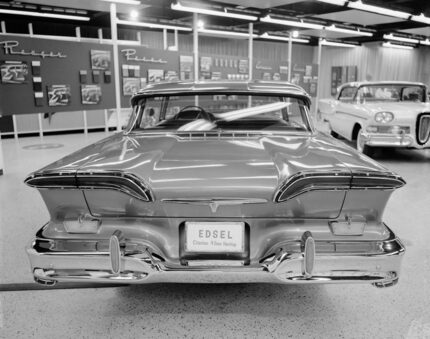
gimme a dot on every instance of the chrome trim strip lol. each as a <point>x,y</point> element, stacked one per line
<point>214,203</point>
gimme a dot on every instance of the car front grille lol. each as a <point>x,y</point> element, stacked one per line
<point>423,128</point>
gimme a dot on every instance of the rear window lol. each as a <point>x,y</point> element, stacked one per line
<point>221,112</point>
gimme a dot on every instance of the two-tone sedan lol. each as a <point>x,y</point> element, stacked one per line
<point>380,114</point>
<point>217,182</point>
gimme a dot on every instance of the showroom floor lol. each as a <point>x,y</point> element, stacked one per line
<point>212,311</point>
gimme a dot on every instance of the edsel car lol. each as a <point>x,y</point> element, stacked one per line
<point>380,114</point>
<point>217,182</point>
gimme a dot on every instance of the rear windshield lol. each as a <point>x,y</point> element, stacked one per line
<point>220,112</point>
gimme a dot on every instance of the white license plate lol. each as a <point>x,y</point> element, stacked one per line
<point>215,237</point>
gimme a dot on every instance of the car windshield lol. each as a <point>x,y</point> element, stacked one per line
<point>391,93</point>
<point>220,112</point>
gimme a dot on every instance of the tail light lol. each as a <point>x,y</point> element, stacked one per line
<point>303,182</point>
<point>115,180</point>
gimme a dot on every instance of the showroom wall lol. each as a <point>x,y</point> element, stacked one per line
<point>375,62</point>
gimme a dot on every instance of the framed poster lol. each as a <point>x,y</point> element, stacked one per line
<point>100,59</point>
<point>186,67</point>
<point>155,75</point>
<point>14,72</point>
<point>171,76</point>
<point>205,64</point>
<point>130,86</point>
<point>58,95</point>
<point>243,66</point>
<point>216,76</point>
<point>185,63</point>
<point>91,94</point>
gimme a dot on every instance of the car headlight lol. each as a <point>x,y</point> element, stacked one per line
<point>384,117</point>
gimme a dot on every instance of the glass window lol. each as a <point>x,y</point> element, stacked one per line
<point>391,92</point>
<point>221,112</point>
<point>347,93</point>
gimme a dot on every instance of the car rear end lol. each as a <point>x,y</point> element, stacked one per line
<point>217,204</point>
<point>316,226</point>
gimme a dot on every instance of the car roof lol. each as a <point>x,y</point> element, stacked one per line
<point>223,87</point>
<point>385,82</point>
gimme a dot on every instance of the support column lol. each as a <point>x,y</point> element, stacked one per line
<point>165,44</point>
<point>290,50</point>
<point>196,46</point>
<point>1,157</point>
<point>39,120</point>
<point>15,127</point>
<point>196,53</point>
<point>106,120</point>
<point>100,35</point>
<point>251,51</point>
<point>176,40</point>
<point>114,32</point>
<point>84,116</point>
<point>317,94</point>
<point>78,33</point>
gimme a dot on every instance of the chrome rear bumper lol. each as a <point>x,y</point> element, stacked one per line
<point>299,263</point>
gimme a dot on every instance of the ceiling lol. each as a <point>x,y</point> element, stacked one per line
<point>307,10</point>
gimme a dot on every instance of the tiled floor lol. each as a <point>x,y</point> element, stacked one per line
<point>244,310</point>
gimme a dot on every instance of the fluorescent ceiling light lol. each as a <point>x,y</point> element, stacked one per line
<point>336,44</point>
<point>333,28</point>
<point>269,19</point>
<point>152,25</point>
<point>334,2</point>
<point>398,38</point>
<point>389,44</point>
<point>421,18</point>
<point>226,33</point>
<point>376,9</point>
<point>126,2</point>
<point>425,42</point>
<point>179,7</point>
<point>281,38</point>
<point>45,15</point>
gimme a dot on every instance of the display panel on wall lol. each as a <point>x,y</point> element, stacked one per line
<point>43,75</point>
<point>141,65</point>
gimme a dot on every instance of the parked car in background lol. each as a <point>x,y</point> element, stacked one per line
<point>379,114</point>
<point>217,182</point>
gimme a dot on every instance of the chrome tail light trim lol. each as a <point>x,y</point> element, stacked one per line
<point>303,182</point>
<point>127,183</point>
